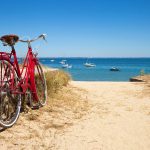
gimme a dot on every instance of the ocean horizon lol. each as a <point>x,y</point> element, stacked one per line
<point>129,67</point>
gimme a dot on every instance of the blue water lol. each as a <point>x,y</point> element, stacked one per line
<point>129,67</point>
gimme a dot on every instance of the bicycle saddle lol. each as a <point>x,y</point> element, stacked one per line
<point>9,39</point>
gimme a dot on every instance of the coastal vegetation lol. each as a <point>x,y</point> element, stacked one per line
<point>56,80</point>
<point>62,100</point>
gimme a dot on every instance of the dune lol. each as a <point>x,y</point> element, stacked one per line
<point>87,116</point>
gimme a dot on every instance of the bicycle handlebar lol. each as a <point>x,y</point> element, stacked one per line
<point>39,37</point>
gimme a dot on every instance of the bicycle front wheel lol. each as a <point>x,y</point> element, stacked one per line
<point>40,84</point>
<point>10,97</point>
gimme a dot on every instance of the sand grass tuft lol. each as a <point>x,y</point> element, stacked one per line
<point>56,80</point>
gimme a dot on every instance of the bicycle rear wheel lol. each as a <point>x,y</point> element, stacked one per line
<point>40,84</point>
<point>10,97</point>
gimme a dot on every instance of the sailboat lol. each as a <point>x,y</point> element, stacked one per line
<point>87,64</point>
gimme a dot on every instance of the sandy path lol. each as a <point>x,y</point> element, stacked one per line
<point>118,120</point>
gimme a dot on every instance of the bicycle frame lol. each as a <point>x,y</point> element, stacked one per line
<point>26,73</point>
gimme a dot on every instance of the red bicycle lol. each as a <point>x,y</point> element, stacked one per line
<point>18,81</point>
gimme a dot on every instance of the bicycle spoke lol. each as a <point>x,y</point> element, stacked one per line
<point>9,98</point>
<point>1,74</point>
<point>39,74</point>
<point>40,83</point>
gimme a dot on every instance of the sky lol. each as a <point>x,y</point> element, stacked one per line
<point>79,28</point>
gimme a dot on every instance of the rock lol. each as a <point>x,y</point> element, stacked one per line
<point>143,78</point>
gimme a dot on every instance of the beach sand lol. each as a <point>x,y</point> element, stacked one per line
<point>117,118</point>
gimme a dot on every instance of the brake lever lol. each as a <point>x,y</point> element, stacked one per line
<point>43,36</point>
<point>44,39</point>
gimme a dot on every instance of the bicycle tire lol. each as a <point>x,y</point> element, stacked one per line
<point>40,84</point>
<point>10,97</point>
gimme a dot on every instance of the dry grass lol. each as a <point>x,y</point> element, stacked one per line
<point>61,111</point>
<point>56,80</point>
<point>64,104</point>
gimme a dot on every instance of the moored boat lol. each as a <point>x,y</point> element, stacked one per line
<point>63,62</point>
<point>89,65</point>
<point>114,69</point>
<point>66,66</point>
<point>52,60</point>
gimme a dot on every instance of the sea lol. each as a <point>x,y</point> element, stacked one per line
<point>129,67</point>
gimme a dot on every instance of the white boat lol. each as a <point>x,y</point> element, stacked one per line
<point>52,60</point>
<point>70,66</point>
<point>63,62</point>
<point>66,66</point>
<point>89,65</point>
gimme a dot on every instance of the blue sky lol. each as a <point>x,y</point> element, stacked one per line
<point>80,28</point>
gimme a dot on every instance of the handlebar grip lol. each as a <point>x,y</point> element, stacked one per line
<point>29,41</point>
